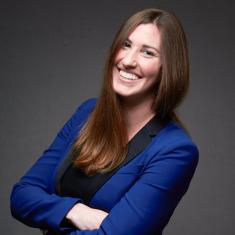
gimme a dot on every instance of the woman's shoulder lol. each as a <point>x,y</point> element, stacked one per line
<point>87,105</point>
<point>173,137</point>
<point>82,113</point>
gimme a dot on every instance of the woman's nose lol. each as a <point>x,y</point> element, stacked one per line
<point>130,59</point>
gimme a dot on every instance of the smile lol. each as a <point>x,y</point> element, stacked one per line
<point>129,76</point>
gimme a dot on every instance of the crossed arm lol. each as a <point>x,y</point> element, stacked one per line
<point>149,202</point>
<point>147,207</point>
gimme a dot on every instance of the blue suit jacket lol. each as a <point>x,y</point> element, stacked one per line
<point>140,196</point>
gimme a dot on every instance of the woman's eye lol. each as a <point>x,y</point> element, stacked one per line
<point>126,45</point>
<point>148,53</point>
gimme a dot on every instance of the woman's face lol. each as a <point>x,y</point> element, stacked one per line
<point>137,63</point>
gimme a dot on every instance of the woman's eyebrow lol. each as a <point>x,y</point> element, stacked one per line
<point>128,40</point>
<point>147,46</point>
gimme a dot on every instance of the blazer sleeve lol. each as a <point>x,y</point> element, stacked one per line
<point>33,199</point>
<point>151,201</point>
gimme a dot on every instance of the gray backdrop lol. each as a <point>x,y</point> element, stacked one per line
<point>51,58</point>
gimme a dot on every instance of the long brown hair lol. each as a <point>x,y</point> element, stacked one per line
<point>102,143</point>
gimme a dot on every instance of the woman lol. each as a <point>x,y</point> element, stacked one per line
<point>122,163</point>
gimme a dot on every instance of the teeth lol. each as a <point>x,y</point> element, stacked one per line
<point>129,76</point>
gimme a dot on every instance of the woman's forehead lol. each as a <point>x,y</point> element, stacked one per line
<point>146,34</point>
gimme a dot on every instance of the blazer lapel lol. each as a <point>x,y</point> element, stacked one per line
<point>143,138</point>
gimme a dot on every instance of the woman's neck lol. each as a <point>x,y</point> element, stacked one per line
<point>136,114</point>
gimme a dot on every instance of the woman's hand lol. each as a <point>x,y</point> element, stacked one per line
<point>85,218</point>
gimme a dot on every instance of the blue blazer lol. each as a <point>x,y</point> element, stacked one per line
<point>140,196</point>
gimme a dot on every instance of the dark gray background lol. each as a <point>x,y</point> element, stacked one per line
<point>51,58</point>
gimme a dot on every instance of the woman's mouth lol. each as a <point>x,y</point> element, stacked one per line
<point>128,75</point>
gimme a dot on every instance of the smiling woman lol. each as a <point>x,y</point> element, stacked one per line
<point>124,155</point>
<point>138,63</point>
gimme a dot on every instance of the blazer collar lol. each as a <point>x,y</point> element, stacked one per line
<point>143,137</point>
